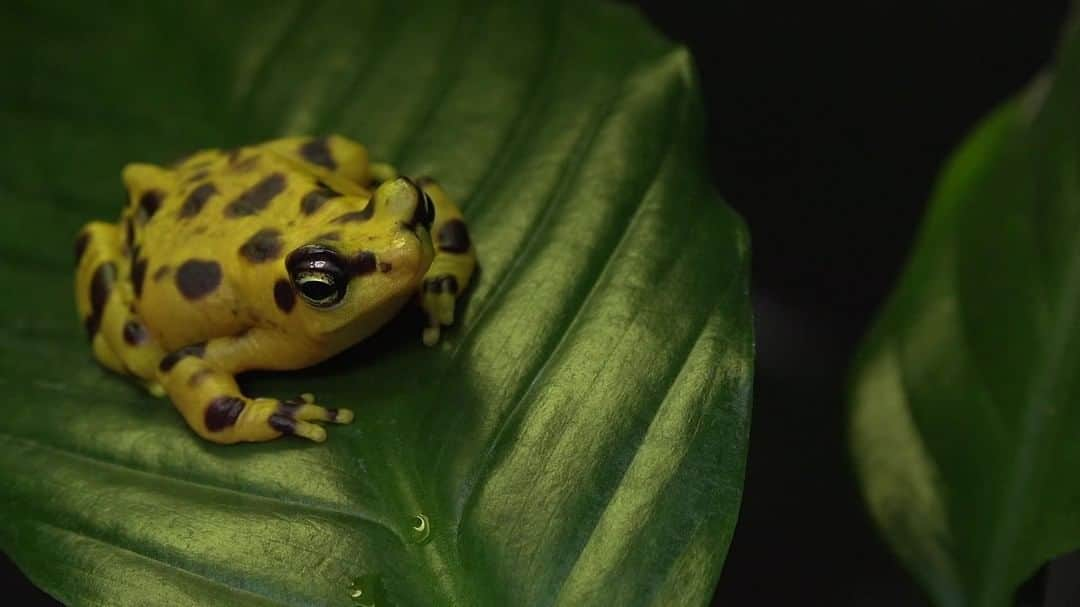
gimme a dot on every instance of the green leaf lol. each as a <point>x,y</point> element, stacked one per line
<point>966,393</point>
<point>578,438</point>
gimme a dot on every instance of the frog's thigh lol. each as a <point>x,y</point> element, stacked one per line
<point>453,265</point>
<point>104,293</point>
<point>334,154</point>
<point>204,390</point>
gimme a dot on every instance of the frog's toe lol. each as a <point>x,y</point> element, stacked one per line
<point>155,388</point>
<point>295,416</point>
<point>431,335</point>
<point>267,418</point>
<point>439,307</point>
<point>308,430</point>
<point>303,408</point>
<point>444,307</point>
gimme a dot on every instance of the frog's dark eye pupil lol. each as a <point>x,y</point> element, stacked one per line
<point>316,289</point>
<point>320,289</point>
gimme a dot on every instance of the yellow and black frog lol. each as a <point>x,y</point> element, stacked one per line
<point>273,256</point>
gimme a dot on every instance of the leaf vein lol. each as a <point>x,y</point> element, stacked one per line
<point>322,510</point>
<point>452,55</point>
<point>469,487</point>
<point>201,576</point>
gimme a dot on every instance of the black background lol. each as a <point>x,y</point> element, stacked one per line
<point>828,122</point>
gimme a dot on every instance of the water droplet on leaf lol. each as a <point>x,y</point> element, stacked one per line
<point>367,591</point>
<point>420,528</point>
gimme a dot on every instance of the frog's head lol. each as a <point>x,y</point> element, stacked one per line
<point>357,274</point>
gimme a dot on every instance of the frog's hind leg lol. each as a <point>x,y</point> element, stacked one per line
<point>104,296</point>
<point>199,380</point>
<point>453,265</point>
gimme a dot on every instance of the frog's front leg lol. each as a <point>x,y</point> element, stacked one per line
<point>200,381</point>
<point>453,264</point>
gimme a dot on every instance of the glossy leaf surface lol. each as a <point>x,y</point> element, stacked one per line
<point>966,395</point>
<point>577,438</point>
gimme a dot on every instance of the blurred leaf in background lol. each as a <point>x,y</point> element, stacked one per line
<point>966,393</point>
<point>578,438</point>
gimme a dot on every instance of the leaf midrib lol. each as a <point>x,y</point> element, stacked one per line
<point>1032,448</point>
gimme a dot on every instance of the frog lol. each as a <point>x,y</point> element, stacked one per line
<point>272,256</point>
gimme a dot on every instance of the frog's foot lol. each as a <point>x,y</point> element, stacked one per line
<point>289,417</point>
<point>453,265</point>
<point>209,399</point>
<point>437,298</point>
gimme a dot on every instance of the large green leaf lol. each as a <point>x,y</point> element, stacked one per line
<point>966,395</point>
<point>578,438</point>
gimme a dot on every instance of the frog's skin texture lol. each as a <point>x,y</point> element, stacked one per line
<point>273,256</point>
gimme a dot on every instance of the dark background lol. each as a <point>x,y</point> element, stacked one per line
<point>828,123</point>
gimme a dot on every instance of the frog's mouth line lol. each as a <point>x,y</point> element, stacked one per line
<point>427,245</point>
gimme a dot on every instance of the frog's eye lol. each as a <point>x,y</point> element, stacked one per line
<point>321,289</point>
<point>318,275</point>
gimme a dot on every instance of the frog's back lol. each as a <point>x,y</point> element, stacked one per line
<point>204,229</point>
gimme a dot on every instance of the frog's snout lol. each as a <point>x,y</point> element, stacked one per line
<point>406,202</point>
